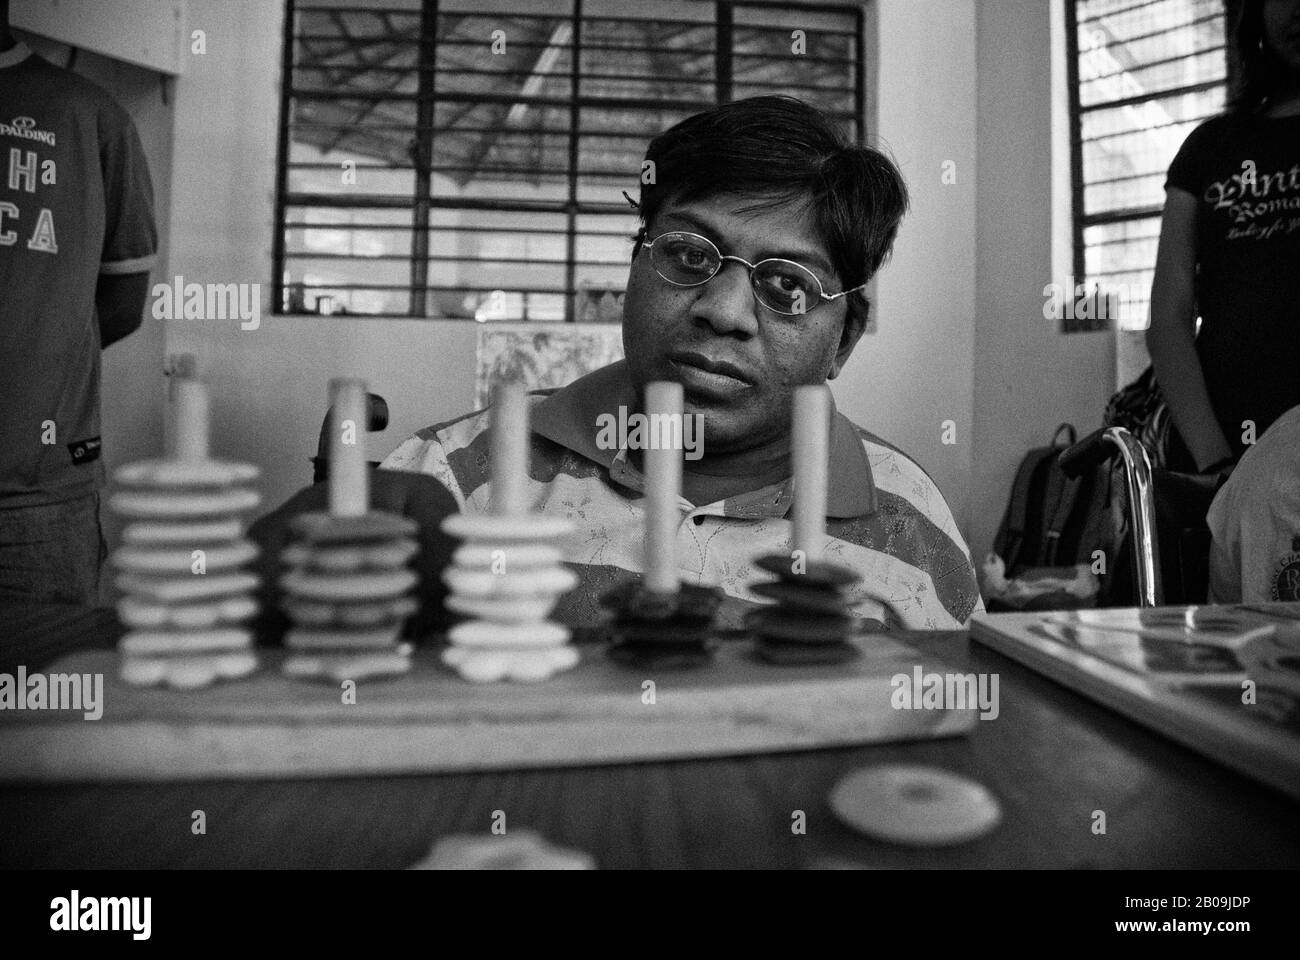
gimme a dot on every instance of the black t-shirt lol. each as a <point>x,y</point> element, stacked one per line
<point>1245,173</point>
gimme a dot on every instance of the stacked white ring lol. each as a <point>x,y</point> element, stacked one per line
<point>507,575</point>
<point>186,597</point>
<point>347,591</point>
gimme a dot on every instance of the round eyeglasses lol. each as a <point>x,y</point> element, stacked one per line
<point>689,260</point>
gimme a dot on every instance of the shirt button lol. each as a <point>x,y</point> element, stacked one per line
<point>698,520</point>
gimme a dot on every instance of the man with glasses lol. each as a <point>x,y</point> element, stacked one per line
<point>760,231</point>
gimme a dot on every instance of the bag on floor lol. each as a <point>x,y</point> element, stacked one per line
<point>1045,555</point>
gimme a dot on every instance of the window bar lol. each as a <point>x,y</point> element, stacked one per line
<point>1076,134</point>
<point>282,162</point>
<point>860,76</point>
<point>422,149</point>
<point>1120,11</point>
<point>426,133</point>
<point>1165,30</point>
<point>1146,65</point>
<point>571,208</point>
<point>1153,97</point>
<point>722,51</point>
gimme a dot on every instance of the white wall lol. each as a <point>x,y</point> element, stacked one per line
<point>147,33</point>
<point>914,373</point>
<point>269,385</point>
<point>1028,377</point>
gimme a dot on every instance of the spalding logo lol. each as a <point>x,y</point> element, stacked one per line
<point>25,127</point>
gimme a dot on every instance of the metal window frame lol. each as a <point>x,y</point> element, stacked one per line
<point>423,203</point>
<point>1080,220</point>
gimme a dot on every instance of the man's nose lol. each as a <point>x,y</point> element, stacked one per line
<point>727,301</point>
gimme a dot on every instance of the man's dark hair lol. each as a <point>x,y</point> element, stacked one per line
<point>1260,71</point>
<point>779,149</point>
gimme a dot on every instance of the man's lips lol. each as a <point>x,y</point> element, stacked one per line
<point>719,367</point>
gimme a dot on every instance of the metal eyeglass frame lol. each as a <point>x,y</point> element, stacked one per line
<point>724,257</point>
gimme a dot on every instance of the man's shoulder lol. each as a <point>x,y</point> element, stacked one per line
<point>462,428</point>
<point>460,431</point>
<point>460,449</point>
<point>914,525</point>
<point>892,467</point>
<point>435,448</point>
<point>873,442</point>
<point>905,491</point>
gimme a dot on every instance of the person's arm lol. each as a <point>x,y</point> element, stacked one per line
<point>130,248</point>
<point>119,304</point>
<point>1171,335</point>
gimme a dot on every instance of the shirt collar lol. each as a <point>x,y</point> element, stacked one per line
<point>14,55</point>
<point>569,417</point>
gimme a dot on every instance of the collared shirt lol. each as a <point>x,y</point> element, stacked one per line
<point>885,517</point>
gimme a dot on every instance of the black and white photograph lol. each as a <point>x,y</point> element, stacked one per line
<point>629,435</point>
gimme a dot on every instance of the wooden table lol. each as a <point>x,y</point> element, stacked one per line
<point>1051,756</point>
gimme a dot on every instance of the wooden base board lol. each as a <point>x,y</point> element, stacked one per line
<point>431,721</point>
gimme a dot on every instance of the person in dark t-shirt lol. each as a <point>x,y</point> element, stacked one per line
<point>1230,251</point>
<point>77,239</point>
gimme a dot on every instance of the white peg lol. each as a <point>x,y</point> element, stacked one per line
<point>810,456</point>
<point>349,474</point>
<point>663,478</point>
<point>190,421</point>
<point>509,450</point>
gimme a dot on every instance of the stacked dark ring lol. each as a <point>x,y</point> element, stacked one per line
<point>662,631</point>
<point>811,621</point>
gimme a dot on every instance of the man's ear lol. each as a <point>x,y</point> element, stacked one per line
<point>855,325</point>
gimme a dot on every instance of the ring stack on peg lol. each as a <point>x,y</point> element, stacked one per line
<point>660,630</point>
<point>348,587</point>
<point>811,621</point>
<point>186,597</point>
<point>507,574</point>
<point>661,622</point>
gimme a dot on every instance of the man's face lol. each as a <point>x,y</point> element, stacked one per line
<point>670,331</point>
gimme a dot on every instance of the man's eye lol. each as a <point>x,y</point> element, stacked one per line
<point>689,255</point>
<point>787,283</point>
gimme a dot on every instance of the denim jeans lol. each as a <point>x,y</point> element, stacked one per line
<point>52,553</point>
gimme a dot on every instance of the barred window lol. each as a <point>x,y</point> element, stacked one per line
<point>1143,75</point>
<point>467,158</point>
